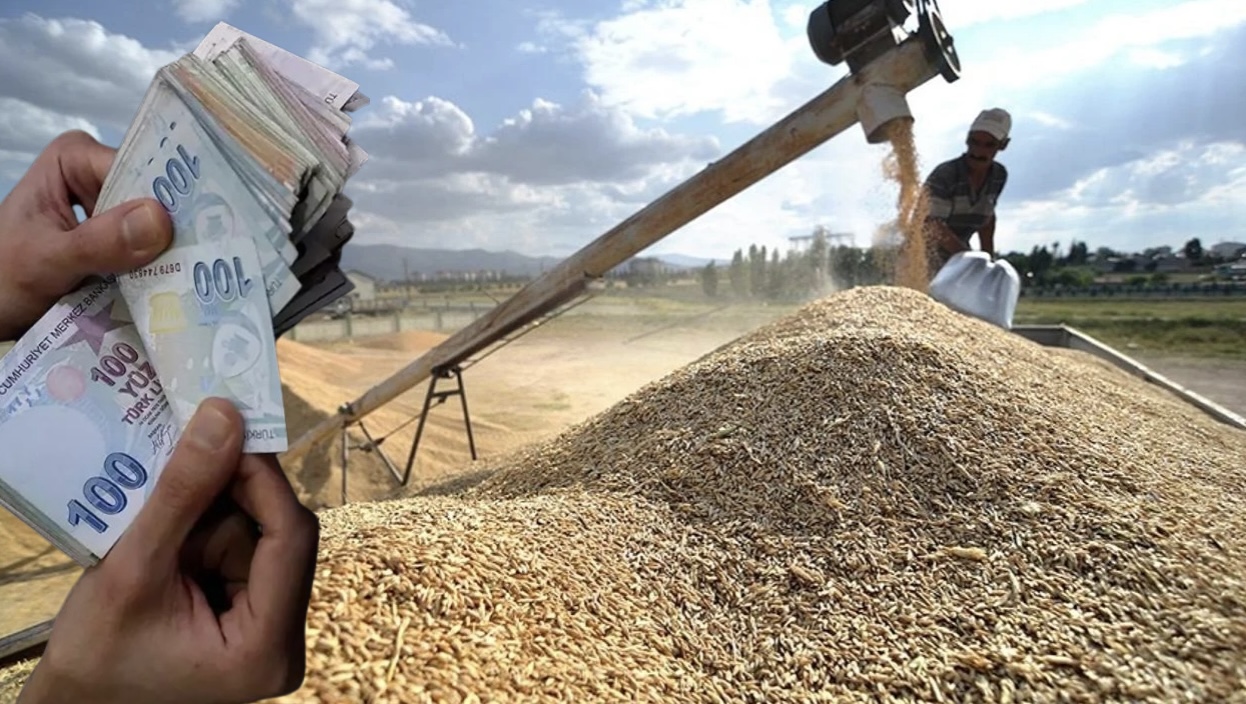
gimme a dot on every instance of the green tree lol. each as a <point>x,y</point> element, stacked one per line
<point>1193,250</point>
<point>738,274</point>
<point>817,259</point>
<point>1041,261</point>
<point>775,276</point>
<point>757,270</point>
<point>1079,254</point>
<point>709,280</point>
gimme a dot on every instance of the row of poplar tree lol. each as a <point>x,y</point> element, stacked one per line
<point>795,276</point>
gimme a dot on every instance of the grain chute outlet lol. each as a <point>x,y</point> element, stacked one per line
<point>860,32</point>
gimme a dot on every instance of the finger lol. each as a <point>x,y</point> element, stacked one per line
<point>120,239</point>
<point>218,556</point>
<point>83,163</point>
<point>279,586</point>
<point>201,467</point>
<point>222,541</point>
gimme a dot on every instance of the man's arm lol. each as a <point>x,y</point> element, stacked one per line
<point>986,236</point>
<point>939,187</point>
<point>942,235</point>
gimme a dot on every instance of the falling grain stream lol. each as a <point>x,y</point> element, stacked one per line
<point>902,166</point>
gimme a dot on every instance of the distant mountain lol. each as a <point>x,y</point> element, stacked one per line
<point>392,262</point>
<point>687,262</point>
<point>389,262</point>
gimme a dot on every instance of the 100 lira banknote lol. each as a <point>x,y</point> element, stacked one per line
<point>207,323</point>
<point>85,426</point>
<point>171,157</point>
<point>207,327</point>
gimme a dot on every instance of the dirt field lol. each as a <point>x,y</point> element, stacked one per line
<point>1222,381</point>
<point>557,375</point>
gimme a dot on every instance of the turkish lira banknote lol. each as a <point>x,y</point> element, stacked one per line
<point>206,323</point>
<point>85,425</point>
<point>328,87</point>
<point>171,157</point>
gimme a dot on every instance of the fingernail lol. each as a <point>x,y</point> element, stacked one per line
<point>208,428</point>
<point>140,230</point>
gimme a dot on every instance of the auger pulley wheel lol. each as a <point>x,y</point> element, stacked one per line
<point>938,42</point>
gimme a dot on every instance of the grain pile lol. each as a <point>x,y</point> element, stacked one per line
<point>13,678</point>
<point>312,391</point>
<point>872,499</point>
<point>316,381</point>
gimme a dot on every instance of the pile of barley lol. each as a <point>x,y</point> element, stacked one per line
<point>873,499</point>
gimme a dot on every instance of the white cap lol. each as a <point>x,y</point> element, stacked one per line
<point>995,122</point>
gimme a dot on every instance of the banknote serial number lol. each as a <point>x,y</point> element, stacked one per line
<point>124,371</point>
<point>155,270</point>
<point>106,492</point>
<point>180,174</point>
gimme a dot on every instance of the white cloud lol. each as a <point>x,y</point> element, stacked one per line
<point>959,14</point>
<point>76,67</point>
<point>414,137</point>
<point>204,10</point>
<point>547,179</point>
<point>1135,35</point>
<point>1170,196</point>
<point>1150,57</point>
<point>548,143</point>
<point>545,144</point>
<point>448,198</point>
<point>1047,119</point>
<point>13,165</point>
<point>1178,177</point>
<point>686,57</point>
<point>552,177</point>
<point>746,61</point>
<point>348,30</point>
<point>27,129</point>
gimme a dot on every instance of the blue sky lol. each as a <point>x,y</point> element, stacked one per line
<point>538,126</point>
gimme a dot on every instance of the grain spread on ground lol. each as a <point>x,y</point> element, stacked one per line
<point>873,499</point>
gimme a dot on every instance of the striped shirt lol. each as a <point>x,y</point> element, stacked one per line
<point>953,201</point>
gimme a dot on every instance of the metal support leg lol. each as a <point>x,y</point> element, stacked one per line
<point>467,419</point>
<point>345,456</point>
<point>374,445</point>
<point>441,396</point>
<point>419,429</point>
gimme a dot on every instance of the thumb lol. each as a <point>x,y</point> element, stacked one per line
<point>206,458</point>
<point>119,239</point>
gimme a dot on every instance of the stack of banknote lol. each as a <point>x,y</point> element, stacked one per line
<point>245,145</point>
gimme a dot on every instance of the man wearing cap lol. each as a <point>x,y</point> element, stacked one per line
<point>963,191</point>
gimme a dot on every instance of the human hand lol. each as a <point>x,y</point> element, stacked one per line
<point>45,253</point>
<point>139,627</point>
